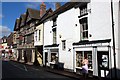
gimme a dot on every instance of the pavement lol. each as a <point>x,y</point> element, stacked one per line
<point>66,73</point>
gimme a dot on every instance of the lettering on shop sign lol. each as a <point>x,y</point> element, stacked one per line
<point>98,44</point>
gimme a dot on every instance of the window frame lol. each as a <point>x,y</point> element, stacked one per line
<point>54,35</point>
<point>83,10</point>
<point>63,44</point>
<point>54,22</point>
<point>39,35</point>
<point>79,60</point>
<point>54,57</point>
<point>36,35</point>
<point>84,28</point>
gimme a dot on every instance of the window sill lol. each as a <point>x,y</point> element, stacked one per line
<point>81,68</point>
<point>63,49</point>
<point>54,26</point>
<point>85,39</point>
<point>82,15</point>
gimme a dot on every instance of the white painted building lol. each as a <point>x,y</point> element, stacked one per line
<point>78,30</point>
<point>38,43</point>
<point>38,35</point>
<point>51,49</point>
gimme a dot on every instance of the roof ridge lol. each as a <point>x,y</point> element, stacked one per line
<point>32,9</point>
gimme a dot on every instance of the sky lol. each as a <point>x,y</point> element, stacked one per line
<point>10,11</point>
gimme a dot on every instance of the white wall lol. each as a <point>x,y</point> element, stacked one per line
<point>38,42</point>
<point>66,28</point>
<point>100,21</point>
<point>48,40</point>
<point>76,30</point>
<point>101,25</point>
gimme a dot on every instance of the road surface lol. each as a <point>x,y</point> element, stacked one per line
<point>13,70</point>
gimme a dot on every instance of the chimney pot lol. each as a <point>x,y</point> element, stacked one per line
<point>42,9</point>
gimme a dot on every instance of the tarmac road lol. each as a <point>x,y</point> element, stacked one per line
<point>16,71</point>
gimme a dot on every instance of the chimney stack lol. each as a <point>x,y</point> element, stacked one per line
<point>58,5</point>
<point>42,9</point>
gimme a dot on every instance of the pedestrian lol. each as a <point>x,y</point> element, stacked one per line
<point>85,67</point>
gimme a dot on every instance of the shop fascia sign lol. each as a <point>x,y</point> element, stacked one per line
<point>95,44</point>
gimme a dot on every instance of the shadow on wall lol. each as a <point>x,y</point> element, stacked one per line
<point>111,74</point>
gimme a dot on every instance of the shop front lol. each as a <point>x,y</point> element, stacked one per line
<point>98,54</point>
<point>29,55</point>
<point>50,56</point>
<point>20,55</point>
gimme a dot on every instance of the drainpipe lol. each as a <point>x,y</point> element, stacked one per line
<point>113,35</point>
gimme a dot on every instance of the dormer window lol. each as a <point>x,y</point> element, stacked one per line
<point>32,24</point>
<point>28,19</point>
<point>83,10</point>
<point>54,22</point>
<point>4,40</point>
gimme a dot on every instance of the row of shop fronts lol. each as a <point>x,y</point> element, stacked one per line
<point>98,54</point>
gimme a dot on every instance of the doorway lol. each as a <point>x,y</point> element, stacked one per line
<point>103,63</point>
<point>46,58</point>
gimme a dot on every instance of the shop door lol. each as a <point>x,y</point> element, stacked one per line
<point>103,63</point>
<point>20,55</point>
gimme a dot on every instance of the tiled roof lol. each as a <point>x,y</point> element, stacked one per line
<point>35,14</point>
<point>23,19</point>
<point>64,8</point>
<point>11,34</point>
<point>4,37</point>
<point>17,24</point>
<point>60,10</point>
<point>47,14</point>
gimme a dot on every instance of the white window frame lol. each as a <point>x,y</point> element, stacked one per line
<point>54,36</point>
<point>82,30</point>
<point>81,59</point>
<point>36,35</point>
<point>39,35</point>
